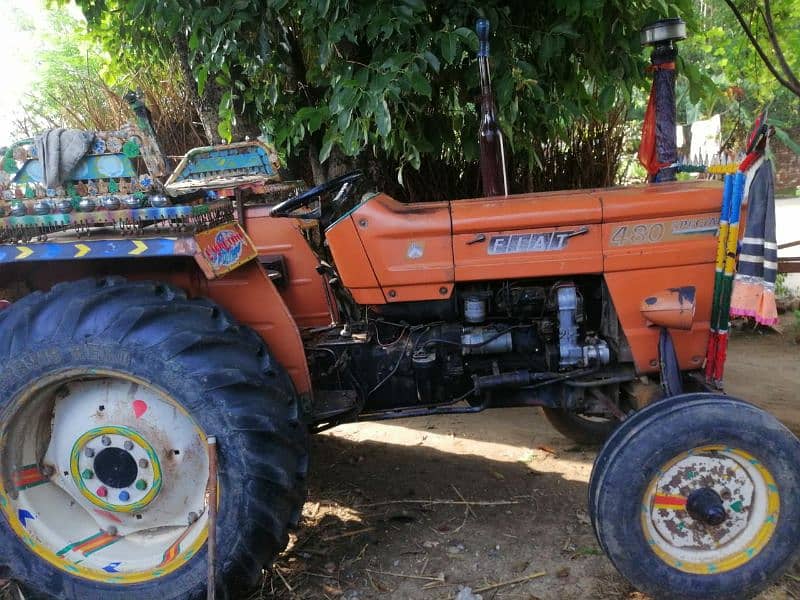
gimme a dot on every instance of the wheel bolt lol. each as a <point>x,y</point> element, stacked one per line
<point>87,474</point>
<point>143,464</point>
<point>124,496</point>
<point>89,453</point>
<point>128,445</point>
<point>105,440</point>
<point>193,517</point>
<point>141,484</point>
<point>102,492</point>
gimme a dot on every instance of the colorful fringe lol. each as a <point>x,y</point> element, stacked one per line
<point>733,193</point>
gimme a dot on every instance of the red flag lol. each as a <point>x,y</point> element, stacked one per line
<point>648,154</point>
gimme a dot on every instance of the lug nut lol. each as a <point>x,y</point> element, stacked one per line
<point>102,492</point>
<point>141,485</point>
<point>89,453</point>
<point>128,445</point>
<point>143,464</point>
<point>87,474</point>
<point>124,496</point>
<point>105,440</point>
<point>192,517</point>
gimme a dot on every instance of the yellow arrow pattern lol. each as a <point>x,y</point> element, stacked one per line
<point>83,250</point>
<point>140,247</point>
<point>24,252</point>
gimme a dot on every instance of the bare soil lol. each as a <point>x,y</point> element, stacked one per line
<point>386,519</point>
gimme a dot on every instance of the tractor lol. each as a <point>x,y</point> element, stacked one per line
<point>147,308</point>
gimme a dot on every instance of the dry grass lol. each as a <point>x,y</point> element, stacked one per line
<point>86,102</point>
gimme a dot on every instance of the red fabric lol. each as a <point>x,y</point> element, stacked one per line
<point>748,161</point>
<point>722,354</point>
<point>711,355</point>
<point>647,148</point>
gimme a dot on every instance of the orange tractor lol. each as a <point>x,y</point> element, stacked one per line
<point>146,313</point>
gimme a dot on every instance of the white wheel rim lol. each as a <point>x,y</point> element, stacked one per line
<point>105,477</point>
<point>747,492</point>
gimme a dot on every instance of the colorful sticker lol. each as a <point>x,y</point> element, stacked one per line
<point>222,249</point>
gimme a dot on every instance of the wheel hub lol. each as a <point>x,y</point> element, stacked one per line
<point>710,510</point>
<point>705,505</point>
<point>116,469</point>
<point>119,493</point>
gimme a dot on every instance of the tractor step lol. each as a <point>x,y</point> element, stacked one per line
<point>332,403</point>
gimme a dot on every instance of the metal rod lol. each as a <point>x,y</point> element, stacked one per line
<point>211,500</point>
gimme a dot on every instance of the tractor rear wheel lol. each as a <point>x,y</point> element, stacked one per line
<point>694,497</point>
<point>108,392</point>
<point>583,430</point>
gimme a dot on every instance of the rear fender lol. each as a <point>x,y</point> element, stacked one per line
<point>247,293</point>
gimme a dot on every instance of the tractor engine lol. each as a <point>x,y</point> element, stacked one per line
<point>510,335</point>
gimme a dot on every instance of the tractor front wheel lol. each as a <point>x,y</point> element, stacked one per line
<point>108,392</point>
<point>695,497</point>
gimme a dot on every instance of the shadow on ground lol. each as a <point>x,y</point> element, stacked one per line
<point>370,531</point>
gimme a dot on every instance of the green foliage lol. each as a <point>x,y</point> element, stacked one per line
<point>394,81</point>
<point>78,84</point>
<point>732,77</point>
<point>66,59</point>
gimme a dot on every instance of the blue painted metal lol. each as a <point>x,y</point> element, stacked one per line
<point>98,249</point>
<point>99,217</point>
<point>206,162</point>
<point>91,168</point>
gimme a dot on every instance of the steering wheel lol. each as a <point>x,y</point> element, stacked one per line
<point>290,205</point>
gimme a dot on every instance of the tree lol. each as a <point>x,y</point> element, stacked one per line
<point>391,85</point>
<point>727,75</point>
<point>789,13</point>
<point>70,88</point>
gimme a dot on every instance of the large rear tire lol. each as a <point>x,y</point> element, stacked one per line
<point>581,429</point>
<point>107,393</point>
<point>694,497</point>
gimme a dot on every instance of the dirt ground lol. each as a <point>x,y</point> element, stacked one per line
<point>382,520</point>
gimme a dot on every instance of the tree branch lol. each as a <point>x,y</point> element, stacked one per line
<point>776,46</point>
<point>767,62</point>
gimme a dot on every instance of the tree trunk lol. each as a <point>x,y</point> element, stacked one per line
<point>207,110</point>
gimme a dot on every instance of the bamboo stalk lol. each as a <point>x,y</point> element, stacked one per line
<point>211,499</point>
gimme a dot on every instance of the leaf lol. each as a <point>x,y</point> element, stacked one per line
<point>564,29</point>
<point>419,83</point>
<point>224,130</point>
<point>202,75</point>
<point>784,137</point>
<point>344,119</point>
<point>383,119</point>
<point>225,105</point>
<point>327,145</point>
<point>449,46</point>
<point>607,97</point>
<point>414,159</point>
<point>468,36</point>
<point>433,61</point>
<point>417,5</point>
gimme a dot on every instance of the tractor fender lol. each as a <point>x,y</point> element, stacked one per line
<point>247,293</point>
